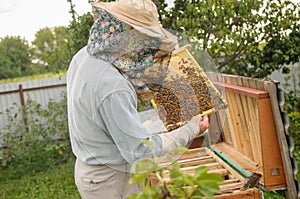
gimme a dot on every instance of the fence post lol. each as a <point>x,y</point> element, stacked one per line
<point>23,107</point>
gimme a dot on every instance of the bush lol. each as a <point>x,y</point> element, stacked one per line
<point>35,138</point>
<point>293,111</point>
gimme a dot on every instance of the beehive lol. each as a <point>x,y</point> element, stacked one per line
<point>185,92</point>
<point>247,138</point>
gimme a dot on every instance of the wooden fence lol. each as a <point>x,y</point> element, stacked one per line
<point>40,91</point>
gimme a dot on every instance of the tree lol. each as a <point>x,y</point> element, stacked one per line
<point>52,49</point>
<point>79,30</point>
<point>248,37</point>
<point>15,57</point>
<point>251,37</point>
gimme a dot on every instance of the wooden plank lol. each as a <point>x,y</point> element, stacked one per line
<point>259,84</point>
<point>233,180</point>
<point>231,186</point>
<point>253,127</point>
<point>244,118</point>
<point>233,122</point>
<point>196,159</point>
<point>284,149</point>
<point>215,129</point>
<point>223,116</point>
<point>211,166</point>
<point>273,172</point>
<point>186,159</point>
<point>248,194</point>
<point>197,162</point>
<point>227,128</point>
<point>215,169</point>
<point>254,84</point>
<point>193,153</point>
<point>227,167</point>
<point>236,122</point>
<point>238,158</point>
<point>254,93</point>
<point>197,142</point>
<point>190,170</point>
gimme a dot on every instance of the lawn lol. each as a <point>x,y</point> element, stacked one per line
<point>55,183</point>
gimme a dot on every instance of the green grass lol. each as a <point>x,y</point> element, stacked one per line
<point>55,183</point>
<point>32,77</point>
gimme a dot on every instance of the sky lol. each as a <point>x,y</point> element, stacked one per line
<point>25,17</point>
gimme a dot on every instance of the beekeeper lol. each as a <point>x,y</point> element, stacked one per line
<point>105,129</point>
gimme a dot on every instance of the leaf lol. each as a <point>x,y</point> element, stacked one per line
<point>144,165</point>
<point>139,178</point>
<point>209,177</point>
<point>180,150</point>
<point>199,170</point>
<point>147,142</point>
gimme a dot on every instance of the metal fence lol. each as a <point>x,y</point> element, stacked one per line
<point>39,91</point>
<point>291,81</point>
<point>44,90</point>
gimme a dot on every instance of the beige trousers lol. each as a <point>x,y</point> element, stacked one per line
<point>101,181</point>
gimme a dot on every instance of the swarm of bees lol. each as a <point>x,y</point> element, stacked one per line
<point>185,93</point>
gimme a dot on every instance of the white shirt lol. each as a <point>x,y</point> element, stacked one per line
<point>104,124</point>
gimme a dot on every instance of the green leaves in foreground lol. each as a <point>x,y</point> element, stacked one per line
<point>171,181</point>
<point>200,184</point>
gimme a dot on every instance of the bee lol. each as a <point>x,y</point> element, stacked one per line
<point>251,181</point>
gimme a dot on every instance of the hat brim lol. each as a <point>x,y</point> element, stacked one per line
<point>153,29</point>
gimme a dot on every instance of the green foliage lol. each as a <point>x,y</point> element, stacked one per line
<point>35,138</point>
<point>294,131</point>
<point>14,57</point>
<point>33,77</point>
<point>183,185</point>
<point>51,49</point>
<point>292,108</point>
<point>272,195</point>
<point>251,38</point>
<point>292,105</point>
<point>279,51</point>
<point>55,183</point>
<point>232,32</point>
<point>79,30</point>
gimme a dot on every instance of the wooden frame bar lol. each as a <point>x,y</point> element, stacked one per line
<point>254,93</point>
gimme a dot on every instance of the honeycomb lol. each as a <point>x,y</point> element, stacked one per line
<point>185,92</point>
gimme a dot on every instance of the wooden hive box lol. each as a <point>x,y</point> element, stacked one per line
<point>248,137</point>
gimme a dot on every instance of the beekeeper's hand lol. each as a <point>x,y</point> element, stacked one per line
<point>183,135</point>
<point>203,122</point>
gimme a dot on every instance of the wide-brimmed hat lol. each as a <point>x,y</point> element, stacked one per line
<point>142,15</point>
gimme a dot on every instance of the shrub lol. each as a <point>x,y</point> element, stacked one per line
<point>292,108</point>
<point>35,138</point>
